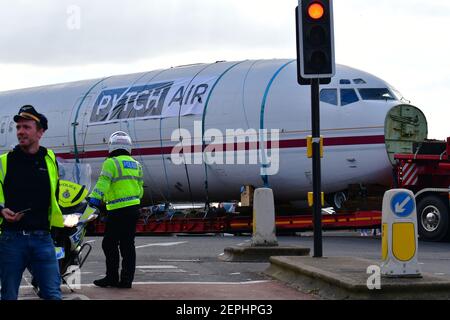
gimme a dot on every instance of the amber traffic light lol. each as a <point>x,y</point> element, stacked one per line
<point>315,10</point>
<point>315,52</point>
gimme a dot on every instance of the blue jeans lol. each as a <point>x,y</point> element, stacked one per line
<point>18,251</point>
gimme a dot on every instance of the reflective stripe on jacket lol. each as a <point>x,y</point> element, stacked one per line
<point>54,212</point>
<point>120,183</point>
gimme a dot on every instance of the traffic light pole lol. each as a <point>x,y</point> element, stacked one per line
<point>315,65</point>
<point>317,194</point>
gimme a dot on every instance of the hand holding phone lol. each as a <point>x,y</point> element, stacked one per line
<point>12,216</point>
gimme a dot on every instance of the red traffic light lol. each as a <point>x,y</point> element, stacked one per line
<point>316,11</point>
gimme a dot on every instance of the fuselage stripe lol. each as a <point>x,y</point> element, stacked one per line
<point>283,144</point>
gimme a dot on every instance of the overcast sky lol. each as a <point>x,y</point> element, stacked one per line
<point>405,42</point>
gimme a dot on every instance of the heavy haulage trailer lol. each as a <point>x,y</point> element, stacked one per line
<point>235,224</point>
<point>426,172</point>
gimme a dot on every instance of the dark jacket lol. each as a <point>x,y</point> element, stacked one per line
<point>27,186</point>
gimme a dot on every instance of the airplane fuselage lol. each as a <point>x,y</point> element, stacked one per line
<point>200,130</point>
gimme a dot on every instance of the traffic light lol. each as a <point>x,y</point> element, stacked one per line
<point>315,40</point>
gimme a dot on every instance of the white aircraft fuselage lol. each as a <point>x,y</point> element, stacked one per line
<point>360,115</point>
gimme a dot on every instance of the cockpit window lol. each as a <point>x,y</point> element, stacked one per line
<point>376,94</point>
<point>398,95</point>
<point>348,96</point>
<point>344,81</point>
<point>329,96</point>
<point>359,81</point>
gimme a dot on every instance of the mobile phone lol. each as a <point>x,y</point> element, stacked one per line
<point>23,211</point>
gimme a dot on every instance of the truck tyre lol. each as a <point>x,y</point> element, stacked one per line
<point>432,218</point>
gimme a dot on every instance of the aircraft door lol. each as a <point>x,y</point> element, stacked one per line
<point>6,128</point>
<point>404,125</point>
<point>78,124</point>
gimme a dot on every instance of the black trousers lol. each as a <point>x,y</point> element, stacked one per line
<point>120,231</point>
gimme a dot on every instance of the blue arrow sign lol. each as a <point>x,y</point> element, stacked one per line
<point>402,204</point>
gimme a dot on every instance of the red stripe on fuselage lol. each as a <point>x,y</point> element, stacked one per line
<point>283,144</point>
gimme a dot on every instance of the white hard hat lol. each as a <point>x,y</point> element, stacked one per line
<point>119,140</point>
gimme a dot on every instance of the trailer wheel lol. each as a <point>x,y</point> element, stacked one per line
<point>336,200</point>
<point>432,216</point>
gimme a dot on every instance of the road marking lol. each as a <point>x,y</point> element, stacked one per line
<point>163,271</point>
<point>159,269</point>
<point>179,260</point>
<point>70,296</point>
<point>90,285</point>
<point>75,297</point>
<point>156,267</point>
<point>199,282</point>
<point>234,273</point>
<point>24,277</point>
<point>163,244</point>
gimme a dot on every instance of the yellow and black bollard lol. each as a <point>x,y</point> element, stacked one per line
<point>399,234</point>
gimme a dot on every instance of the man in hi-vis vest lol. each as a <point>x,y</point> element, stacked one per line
<point>120,186</point>
<point>29,209</point>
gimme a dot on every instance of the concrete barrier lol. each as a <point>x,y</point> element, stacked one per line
<point>264,231</point>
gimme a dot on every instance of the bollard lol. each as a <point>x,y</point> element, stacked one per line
<point>399,234</point>
<point>264,231</point>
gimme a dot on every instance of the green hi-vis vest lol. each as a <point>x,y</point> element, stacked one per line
<point>120,183</point>
<point>54,212</point>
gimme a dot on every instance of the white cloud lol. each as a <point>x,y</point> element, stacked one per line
<point>123,32</point>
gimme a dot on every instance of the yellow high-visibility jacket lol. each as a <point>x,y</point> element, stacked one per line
<point>120,183</point>
<point>54,212</point>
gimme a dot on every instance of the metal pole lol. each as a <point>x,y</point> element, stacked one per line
<point>317,208</point>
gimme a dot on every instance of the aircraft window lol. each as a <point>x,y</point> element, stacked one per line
<point>329,96</point>
<point>359,81</point>
<point>376,94</point>
<point>348,96</point>
<point>344,81</point>
<point>398,95</point>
